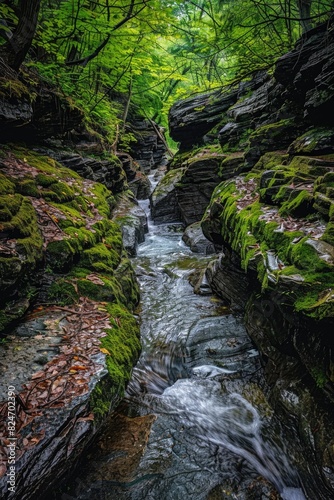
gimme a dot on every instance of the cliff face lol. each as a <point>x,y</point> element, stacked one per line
<point>271,218</point>
<point>69,338</point>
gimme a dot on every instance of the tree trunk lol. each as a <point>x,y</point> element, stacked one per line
<point>15,50</point>
<point>304,7</point>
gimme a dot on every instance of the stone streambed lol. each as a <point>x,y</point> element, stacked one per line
<point>195,422</point>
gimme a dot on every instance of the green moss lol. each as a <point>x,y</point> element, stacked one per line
<point>23,226</point>
<point>14,88</point>
<point>128,283</point>
<point>109,291</point>
<point>272,129</point>
<point>18,222</point>
<point>319,376</point>
<point>102,398</point>
<point>318,301</point>
<point>6,185</point>
<point>45,180</point>
<point>328,235</point>
<point>60,255</point>
<point>10,204</point>
<point>28,187</point>
<point>44,163</point>
<point>304,256</point>
<point>299,206</point>
<point>180,158</point>
<point>122,342</point>
<point>84,237</point>
<point>168,182</point>
<point>100,254</point>
<point>59,192</point>
<point>62,292</point>
<point>103,199</point>
<point>74,217</point>
<point>311,141</point>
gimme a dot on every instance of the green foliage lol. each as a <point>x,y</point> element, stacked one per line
<point>117,57</point>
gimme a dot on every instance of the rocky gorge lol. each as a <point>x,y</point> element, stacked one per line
<point>252,182</point>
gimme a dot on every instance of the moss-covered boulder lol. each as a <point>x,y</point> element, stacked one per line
<point>316,141</point>
<point>277,135</point>
<point>107,170</point>
<point>164,206</point>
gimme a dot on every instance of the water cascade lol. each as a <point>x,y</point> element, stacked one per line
<point>203,426</point>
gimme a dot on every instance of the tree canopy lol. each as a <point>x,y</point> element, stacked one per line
<point>108,55</point>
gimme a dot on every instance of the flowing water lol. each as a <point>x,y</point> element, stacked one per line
<point>195,423</point>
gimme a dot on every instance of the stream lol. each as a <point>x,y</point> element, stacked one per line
<point>195,422</point>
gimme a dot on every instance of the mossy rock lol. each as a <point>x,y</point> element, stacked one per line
<point>300,205</point>
<point>231,165</point>
<point>6,185</point>
<point>248,232</point>
<point>60,255</point>
<point>181,159</point>
<point>20,255</point>
<point>276,135</point>
<point>270,160</point>
<point>317,141</point>
<point>85,239</point>
<point>328,235</point>
<point>15,89</point>
<point>122,342</point>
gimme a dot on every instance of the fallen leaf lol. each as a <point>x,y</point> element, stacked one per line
<point>105,351</point>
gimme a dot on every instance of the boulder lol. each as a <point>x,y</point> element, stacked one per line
<point>194,238</point>
<point>164,205</point>
<point>188,188</point>
<point>316,141</point>
<point>195,186</point>
<point>140,186</point>
<point>14,113</point>
<point>133,222</point>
